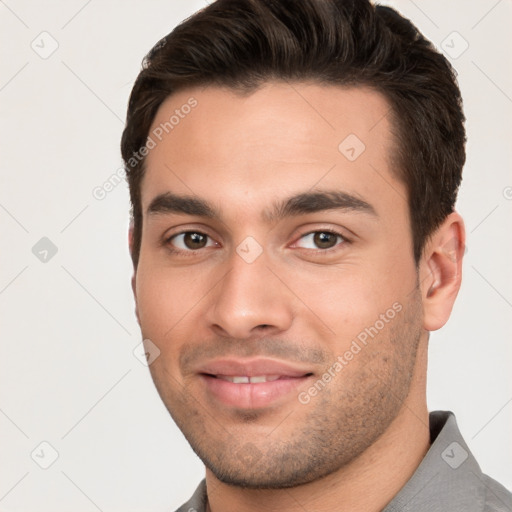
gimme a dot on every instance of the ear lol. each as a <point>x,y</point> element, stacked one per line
<point>441,271</point>
<point>134,277</point>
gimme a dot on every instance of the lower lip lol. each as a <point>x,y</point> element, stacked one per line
<point>252,396</point>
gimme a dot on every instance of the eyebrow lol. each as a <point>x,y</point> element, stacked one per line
<point>187,205</point>
<point>311,202</point>
<point>299,204</point>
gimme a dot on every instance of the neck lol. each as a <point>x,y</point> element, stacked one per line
<point>368,483</point>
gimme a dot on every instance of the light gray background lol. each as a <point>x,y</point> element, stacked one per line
<point>68,373</point>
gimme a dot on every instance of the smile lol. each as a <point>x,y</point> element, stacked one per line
<point>248,380</point>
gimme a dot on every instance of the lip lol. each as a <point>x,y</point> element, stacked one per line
<point>251,395</point>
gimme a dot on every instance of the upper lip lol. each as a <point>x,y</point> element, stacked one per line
<point>252,368</point>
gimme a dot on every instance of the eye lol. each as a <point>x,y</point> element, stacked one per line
<point>191,241</point>
<point>320,240</point>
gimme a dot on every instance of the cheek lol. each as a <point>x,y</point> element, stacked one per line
<point>342,296</point>
<point>347,300</point>
<point>164,302</point>
<point>164,296</point>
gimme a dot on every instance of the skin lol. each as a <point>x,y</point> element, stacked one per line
<point>295,302</point>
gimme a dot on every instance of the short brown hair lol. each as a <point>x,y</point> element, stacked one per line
<point>242,44</point>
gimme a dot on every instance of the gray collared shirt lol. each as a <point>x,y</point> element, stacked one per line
<point>447,480</point>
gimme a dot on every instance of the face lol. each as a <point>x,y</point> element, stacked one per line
<point>276,277</point>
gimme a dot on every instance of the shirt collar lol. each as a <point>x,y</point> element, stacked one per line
<point>448,478</point>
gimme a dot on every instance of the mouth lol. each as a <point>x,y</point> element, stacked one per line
<point>245,379</point>
<point>252,384</point>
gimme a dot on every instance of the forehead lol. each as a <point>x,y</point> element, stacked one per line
<point>283,137</point>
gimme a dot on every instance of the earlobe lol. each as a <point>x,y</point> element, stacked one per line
<point>441,271</point>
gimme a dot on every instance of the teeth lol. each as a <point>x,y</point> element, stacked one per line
<point>264,378</point>
<point>260,378</point>
<point>249,380</point>
<point>239,380</point>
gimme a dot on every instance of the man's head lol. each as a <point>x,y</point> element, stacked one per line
<point>241,44</point>
<point>293,168</point>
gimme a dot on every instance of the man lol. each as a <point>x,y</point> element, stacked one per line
<point>293,169</point>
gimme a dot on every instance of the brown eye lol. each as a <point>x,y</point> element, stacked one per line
<point>191,241</point>
<point>195,240</point>
<point>320,240</point>
<point>325,240</point>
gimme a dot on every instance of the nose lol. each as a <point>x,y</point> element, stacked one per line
<point>249,301</point>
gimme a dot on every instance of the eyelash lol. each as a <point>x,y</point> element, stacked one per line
<point>167,242</point>
<point>191,252</point>
<point>328,251</point>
